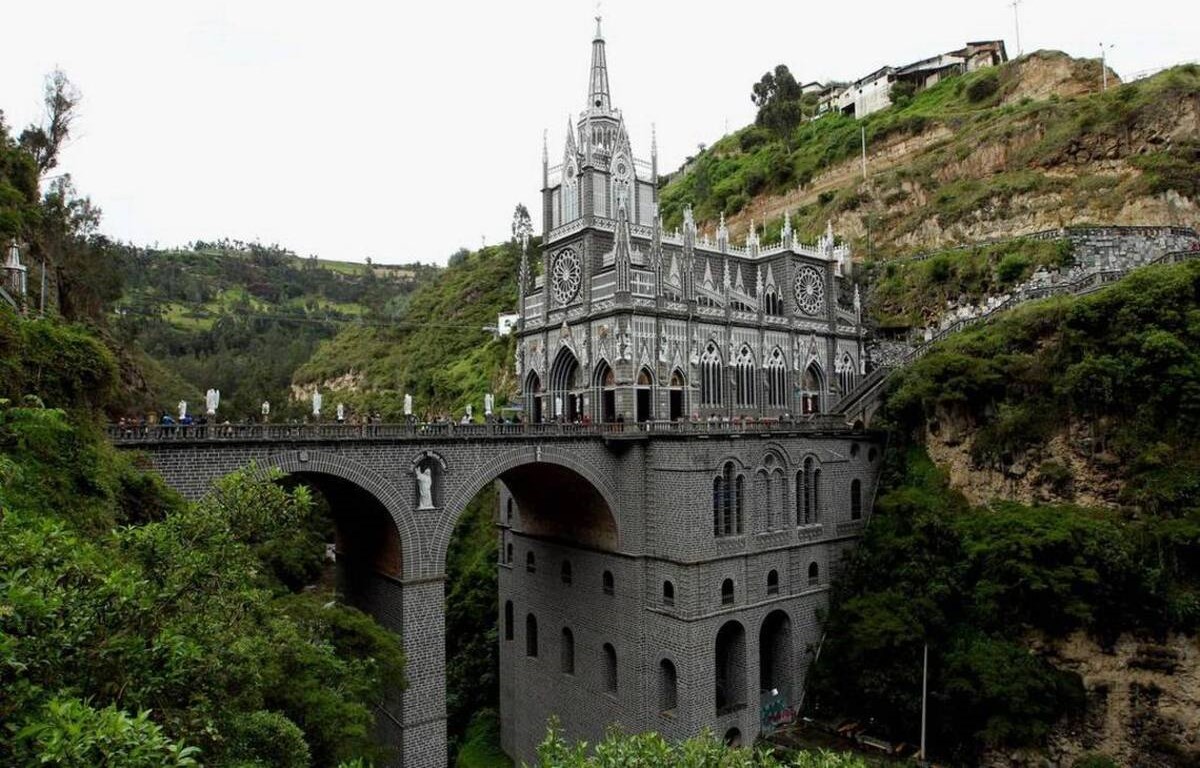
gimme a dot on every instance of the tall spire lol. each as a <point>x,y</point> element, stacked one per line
<point>598,97</point>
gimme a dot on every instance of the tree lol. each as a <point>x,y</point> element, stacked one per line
<point>44,141</point>
<point>778,98</point>
<point>522,224</point>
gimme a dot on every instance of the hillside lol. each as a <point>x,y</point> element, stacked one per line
<point>1030,145</point>
<point>439,350</point>
<point>1039,525</point>
<point>242,317</point>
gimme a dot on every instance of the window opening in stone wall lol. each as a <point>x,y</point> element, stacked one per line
<point>727,502</point>
<point>509,553</point>
<point>508,512</point>
<point>531,638</point>
<point>814,574</point>
<point>566,572</point>
<point>810,389</point>
<point>668,686</point>
<point>856,499</point>
<point>508,620</point>
<point>733,738</point>
<point>727,592</point>
<point>816,494</point>
<point>854,450</point>
<point>567,652</point>
<point>847,375</point>
<point>668,593</point>
<point>744,378</point>
<point>610,668</point>
<point>530,563</point>
<point>773,582</point>
<point>777,394</point>
<point>607,580</point>
<point>710,376</point>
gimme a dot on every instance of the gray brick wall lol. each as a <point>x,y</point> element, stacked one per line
<point>657,496</point>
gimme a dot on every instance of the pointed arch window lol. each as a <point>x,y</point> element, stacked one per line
<point>847,374</point>
<point>811,385</point>
<point>727,502</point>
<point>856,499</point>
<point>710,375</point>
<point>777,395</point>
<point>744,378</point>
<point>807,493</point>
<point>772,304</point>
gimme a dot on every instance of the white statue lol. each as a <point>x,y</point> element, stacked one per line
<point>424,487</point>
<point>212,399</point>
<point>266,408</point>
<point>489,402</point>
<point>341,412</point>
<point>316,402</point>
<point>182,409</point>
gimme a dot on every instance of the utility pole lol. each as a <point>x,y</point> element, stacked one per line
<point>1017,24</point>
<point>863,130</point>
<point>1104,49</point>
<point>924,692</point>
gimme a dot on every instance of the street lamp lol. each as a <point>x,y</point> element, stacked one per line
<point>1104,49</point>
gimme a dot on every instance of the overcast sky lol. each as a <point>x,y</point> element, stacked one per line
<point>404,130</point>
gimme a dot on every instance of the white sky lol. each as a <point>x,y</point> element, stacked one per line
<point>404,130</point>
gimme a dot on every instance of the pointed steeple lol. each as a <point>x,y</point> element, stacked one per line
<point>570,150</point>
<point>598,97</point>
<point>786,233</point>
<point>654,155</point>
<point>722,235</point>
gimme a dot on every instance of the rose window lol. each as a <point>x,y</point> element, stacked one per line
<point>810,291</point>
<point>564,277</point>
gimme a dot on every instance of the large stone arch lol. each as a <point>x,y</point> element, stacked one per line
<point>434,562</point>
<point>387,493</point>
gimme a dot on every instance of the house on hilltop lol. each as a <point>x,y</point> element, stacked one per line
<point>874,92</point>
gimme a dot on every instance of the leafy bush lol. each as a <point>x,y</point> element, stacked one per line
<point>651,749</point>
<point>72,734</point>
<point>983,87</point>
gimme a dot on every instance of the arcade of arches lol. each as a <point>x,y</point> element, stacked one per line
<point>572,394</point>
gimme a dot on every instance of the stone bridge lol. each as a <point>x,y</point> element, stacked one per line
<point>598,487</point>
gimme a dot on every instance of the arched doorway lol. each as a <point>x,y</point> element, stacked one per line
<point>533,397</point>
<point>605,382</point>
<point>775,657</point>
<point>645,394</point>
<point>567,402</point>
<point>678,384</point>
<point>730,668</point>
<point>812,383</point>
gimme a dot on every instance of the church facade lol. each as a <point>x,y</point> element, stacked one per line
<point>693,603</point>
<point>628,322</point>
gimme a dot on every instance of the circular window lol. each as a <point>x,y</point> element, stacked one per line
<point>810,291</point>
<point>564,276</point>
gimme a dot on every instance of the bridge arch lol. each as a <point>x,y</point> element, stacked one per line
<point>302,464</point>
<point>465,489</point>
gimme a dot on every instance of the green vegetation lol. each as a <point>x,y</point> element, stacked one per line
<point>481,743</point>
<point>1123,366</point>
<point>650,749</point>
<point>241,317</point>
<point>472,650</point>
<point>942,183</point>
<point>907,294</point>
<point>139,630</point>
<point>441,352</point>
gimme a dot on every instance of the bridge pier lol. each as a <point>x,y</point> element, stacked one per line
<point>423,703</point>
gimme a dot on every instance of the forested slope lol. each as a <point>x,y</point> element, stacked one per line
<point>1087,410</point>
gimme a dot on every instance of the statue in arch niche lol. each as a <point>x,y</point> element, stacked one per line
<point>425,485</point>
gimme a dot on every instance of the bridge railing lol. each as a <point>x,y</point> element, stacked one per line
<point>167,433</point>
